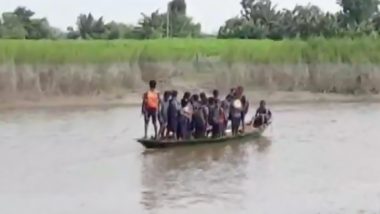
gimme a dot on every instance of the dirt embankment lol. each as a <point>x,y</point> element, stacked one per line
<point>121,84</point>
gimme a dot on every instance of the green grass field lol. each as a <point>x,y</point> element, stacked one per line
<point>365,50</point>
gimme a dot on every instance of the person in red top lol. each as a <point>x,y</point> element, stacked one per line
<point>150,107</point>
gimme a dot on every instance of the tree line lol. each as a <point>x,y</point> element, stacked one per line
<point>259,19</point>
<point>20,24</point>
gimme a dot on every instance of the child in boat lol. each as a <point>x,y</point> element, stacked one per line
<point>163,114</point>
<point>150,106</point>
<point>262,117</point>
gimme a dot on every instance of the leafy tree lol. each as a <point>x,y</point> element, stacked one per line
<point>84,23</point>
<point>35,28</point>
<point>39,29</point>
<point>284,27</point>
<point>156,24</point>
<point>116,30</point>
<point>180,24</point>
<point>151,26</point>
<point>376,22</point>
<point>91,28</point>
<point>260,19</point>
<point>21,24</point>
<point>12,27</point>
<point>358,11</point>
<point>98,29</point>
<point>183,26</point>
<point>329,26</point>
<point>261,11</point>
<point>307,20</point>
<point>177,7</point>
<point>231,28</point>
<point>113,31</point>
<point>24,14</point>
<point>127,31</point>
<point>72,34</point>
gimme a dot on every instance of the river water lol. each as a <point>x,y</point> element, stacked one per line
<point>319,158</point>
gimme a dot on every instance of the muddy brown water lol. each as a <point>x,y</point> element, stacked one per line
<point>320,158</point>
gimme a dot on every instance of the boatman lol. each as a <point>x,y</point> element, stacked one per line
<point>150,107</point>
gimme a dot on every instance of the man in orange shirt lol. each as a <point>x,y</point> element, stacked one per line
<point>150,106</point>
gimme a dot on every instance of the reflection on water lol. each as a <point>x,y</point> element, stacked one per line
<point>314,159</point>
<point>194,174</point>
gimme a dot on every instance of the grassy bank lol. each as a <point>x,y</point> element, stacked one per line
<point>51,68</point>
<point>364,50</point>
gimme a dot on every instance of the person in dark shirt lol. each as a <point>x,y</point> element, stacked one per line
<point>204,104</point>
<point>213,117</point>
<point>205,109</point>
<point>163,114</point>
<point>263,115</point>
<point>173,114</point>
<point>215,94</point>
<point>185,99</point>
<point>245,109</point>
<point>199,120</point>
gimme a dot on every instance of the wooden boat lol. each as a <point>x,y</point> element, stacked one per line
<point>160,144</point>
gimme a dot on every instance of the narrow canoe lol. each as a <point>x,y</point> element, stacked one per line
<point>161,144</point>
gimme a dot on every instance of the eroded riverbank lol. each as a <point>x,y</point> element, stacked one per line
<point>114,80</point>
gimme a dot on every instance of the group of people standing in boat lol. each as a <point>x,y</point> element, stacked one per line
<point>196,115</point>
